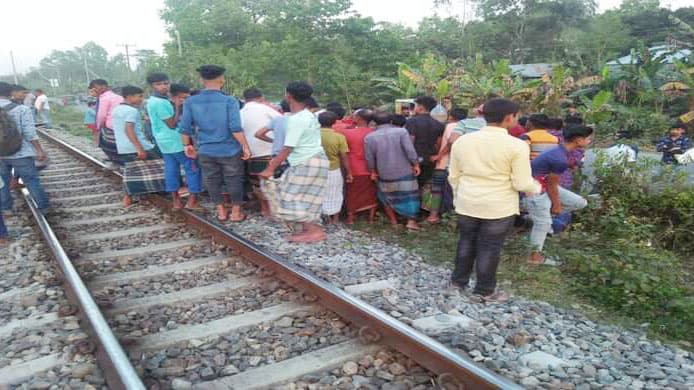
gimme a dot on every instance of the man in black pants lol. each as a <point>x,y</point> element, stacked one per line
<point>488,169</point>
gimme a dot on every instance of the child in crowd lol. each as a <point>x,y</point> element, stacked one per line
<point>90,121</point>
<point>674,144</point>
<point>538,136</point>
<point>143,171</point>
<point>164,115</point>
<point>335,147</point>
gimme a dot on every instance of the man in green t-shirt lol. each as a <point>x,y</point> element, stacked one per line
<point>164,115</point>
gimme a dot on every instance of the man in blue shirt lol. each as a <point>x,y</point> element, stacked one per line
<point>164,116</point>
<point>24,160</point>
<point>554,199</point>
<point>214,119</point>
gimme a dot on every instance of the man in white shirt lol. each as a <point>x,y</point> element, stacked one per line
<point>255,115</point>
<point>42,108</point>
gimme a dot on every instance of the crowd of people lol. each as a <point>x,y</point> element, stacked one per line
<point>309,166</point>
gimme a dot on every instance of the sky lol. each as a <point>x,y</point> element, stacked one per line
<point>75,24</point>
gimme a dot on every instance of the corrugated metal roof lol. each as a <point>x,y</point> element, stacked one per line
<point>666,54</point>
<point>531,70</point>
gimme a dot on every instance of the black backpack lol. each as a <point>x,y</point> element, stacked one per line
<point>10,137</point>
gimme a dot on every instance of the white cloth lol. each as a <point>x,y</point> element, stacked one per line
<point>686,157</point>
<point>43,99</point>
<point>334,193</point>
<point>255,116</point>
<point>618,153</point>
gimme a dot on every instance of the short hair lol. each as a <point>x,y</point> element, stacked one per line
<point>495,110</point>
<point>301,91</point>
<point>427,102</point>
<point>210,72</point>
<point>571,120</point>
<point>284,105</point>
<point>382,118</point>
<point>365,114</point>
<point>540,121</point>
<point>17,87</point>
<point>573,132</point>
<point>458,114</point>
<point>130,90</point>
<point>98,82</point>
<point>39,90</point>
<point>398,120</point>
<point>5,89</point>
<point>194,92</point>
<point>327,119</point>
<point>175,89</point>
<point>337,108</point>
<point>252,93</point>
<point>523,120</point>
<point>556,123</point>
<point>312,103</point>
<point>157,77</point>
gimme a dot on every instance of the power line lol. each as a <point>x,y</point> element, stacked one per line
<point>127,47</point>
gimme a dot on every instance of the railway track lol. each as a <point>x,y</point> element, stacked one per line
<point>172,300</point>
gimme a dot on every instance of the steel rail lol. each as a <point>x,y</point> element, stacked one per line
<point>118,371</point>
<point>373,322</point>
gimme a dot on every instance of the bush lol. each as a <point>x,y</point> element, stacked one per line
<point>627,253</point>
<point>638,123</point>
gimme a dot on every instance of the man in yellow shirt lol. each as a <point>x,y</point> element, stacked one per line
<point>488,169</point>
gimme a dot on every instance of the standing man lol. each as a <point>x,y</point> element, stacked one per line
<point>487,171</point>
<point>256,114</point>
<point>222,148</point>
<point>554,199</point>
<point>297,195</point>
<point>394,165</point>
<point>361,192</point>
<point>42,108</point>
<point>538,136</point>
<point>164,115</point>
<point>106,103</point>
<point>426,133</point>
<point>23,161</point>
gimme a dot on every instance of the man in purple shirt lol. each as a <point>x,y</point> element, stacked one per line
<point>394,165</point>
<point>554,199</point>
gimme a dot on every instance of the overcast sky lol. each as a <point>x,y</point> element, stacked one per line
<point>65,24</point>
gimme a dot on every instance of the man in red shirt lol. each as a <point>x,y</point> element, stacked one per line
<point>361,193</point>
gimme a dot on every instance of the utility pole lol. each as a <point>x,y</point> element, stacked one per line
<point>178,39</point>
<point>127,47</point>
<point>14,68</point>
<point>86,67</point>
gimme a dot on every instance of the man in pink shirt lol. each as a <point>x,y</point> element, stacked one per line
<point>107,102</point>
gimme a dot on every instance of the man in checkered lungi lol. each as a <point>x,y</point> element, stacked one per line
<point>297,195</point>
<point>143,168</point>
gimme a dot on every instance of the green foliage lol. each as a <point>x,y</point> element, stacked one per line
<point>632,253</point>
<point>597,109</point>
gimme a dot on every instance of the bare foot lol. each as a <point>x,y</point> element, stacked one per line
<point>177,204</point>
<point>222,213</point>
<point>412,225</point>
<point>536,258</point>
<point>237,215</point>
<point>127,201</point>
<point>193,203</point>
<point>433,219</point>
<point>350,219</point>
<point>307,237</point>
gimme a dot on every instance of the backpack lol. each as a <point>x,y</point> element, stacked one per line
<point>10,137</point>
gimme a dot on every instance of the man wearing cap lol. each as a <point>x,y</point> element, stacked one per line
<point>219,139</point>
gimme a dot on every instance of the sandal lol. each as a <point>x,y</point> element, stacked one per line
<point>243,218</point>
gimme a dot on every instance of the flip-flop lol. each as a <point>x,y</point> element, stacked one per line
<point>243,218</point>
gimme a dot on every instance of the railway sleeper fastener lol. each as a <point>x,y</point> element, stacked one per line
<point>449,382</point>
<point>307,297</point>
<point>67,310</point>
<point>367,335</point>
<point>85,346</point>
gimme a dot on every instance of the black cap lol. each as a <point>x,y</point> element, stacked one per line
<point>210,72</point>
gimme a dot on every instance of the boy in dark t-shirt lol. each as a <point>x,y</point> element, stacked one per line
<point>554,199</point>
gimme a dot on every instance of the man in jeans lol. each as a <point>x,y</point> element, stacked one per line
<point>488,168</point>
<point>216,121</point>
<point>554,199</point>
<point>23,162</point>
